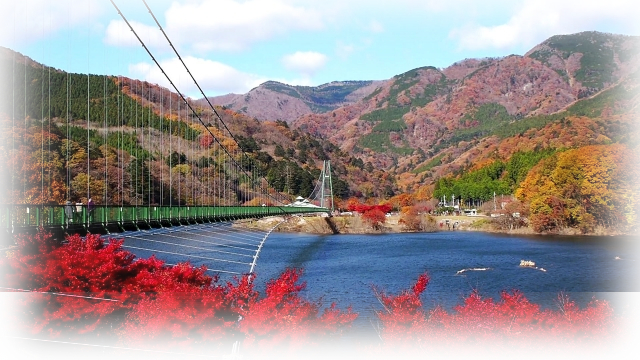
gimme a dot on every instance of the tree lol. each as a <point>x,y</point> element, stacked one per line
<point>375,215</point>
<point>84,187</point>
<point>580,188</point>
<point>410,217</point>
<point>176,159</point>
<point>279,151</point>
<point>152,300</point>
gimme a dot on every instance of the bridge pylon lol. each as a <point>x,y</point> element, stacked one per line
<point>326,186</point>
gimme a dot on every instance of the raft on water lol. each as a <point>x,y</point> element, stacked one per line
<point>527,263</point>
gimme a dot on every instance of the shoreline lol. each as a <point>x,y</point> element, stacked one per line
<point>354,224</point>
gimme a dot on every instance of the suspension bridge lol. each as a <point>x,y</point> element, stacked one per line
<point>108,155</point>
<point>106,219</point>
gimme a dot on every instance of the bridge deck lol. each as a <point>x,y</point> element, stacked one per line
<point>112,218</point>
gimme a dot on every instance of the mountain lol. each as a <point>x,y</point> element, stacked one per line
<point>429,118</point>
<point>138,130</point>
<point>383,137</point>
<point>277,101</point>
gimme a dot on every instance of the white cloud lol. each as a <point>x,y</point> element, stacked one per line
<point>305,62</point>
<point>344,50</point>
<point>234,25</point>
<point>119,34</point>
<point>536,20</point>
<point>215,78</point>
<point>375,27</point>
<point>27,21</point>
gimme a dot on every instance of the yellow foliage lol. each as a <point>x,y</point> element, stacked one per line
<point>84,185</point>
<point>183,169</point>
<point>584,186</point>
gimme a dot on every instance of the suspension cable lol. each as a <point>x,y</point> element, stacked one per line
<point>68,113</point>
<point>196,83</point>
<point>43,200</point>
<point>104,145</point>
<point>50,195</point>
<point>170,153</point>
<point>59,294</point>
<point>232,161</point>
<point>26,118</point>
<point>88,104</point>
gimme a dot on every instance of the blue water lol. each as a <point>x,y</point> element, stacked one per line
<point>344,268</point>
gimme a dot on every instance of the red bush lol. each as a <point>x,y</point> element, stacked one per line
<point>236,311</point>
<point>153,301</point>
<point>479,319</point>
<point>374,214</point>
<point>402,314</point>
<point>181,305</point>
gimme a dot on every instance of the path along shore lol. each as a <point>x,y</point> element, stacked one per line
<point>354,224</point>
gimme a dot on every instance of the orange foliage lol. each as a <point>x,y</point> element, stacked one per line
<point>37,174</point>
<point>423,193</point>
<point>482,163</point>
<point>584,187</point>
<point>401,200</point>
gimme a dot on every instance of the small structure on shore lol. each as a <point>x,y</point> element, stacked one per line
<point>302,202</point>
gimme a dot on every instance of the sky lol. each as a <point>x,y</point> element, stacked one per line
<point>232,46</point>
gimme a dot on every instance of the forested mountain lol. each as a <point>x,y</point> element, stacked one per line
<point>479,126</point>
<point>273,100</point>
<point>141,142</point>
<point>556,128</point>
<point>429,119</point>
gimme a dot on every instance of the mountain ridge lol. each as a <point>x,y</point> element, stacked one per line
<point>416,115</point>
<point>413,129</point>
<point>273,100</point>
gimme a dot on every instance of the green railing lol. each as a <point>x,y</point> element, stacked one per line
<point>64,216</point>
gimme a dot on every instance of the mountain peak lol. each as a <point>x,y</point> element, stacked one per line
<point>274,100</point>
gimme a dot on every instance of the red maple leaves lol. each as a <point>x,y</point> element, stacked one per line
<point>87,286</point>
<point>478,320</point>
<point>106,287</point>
<point>374,214</point>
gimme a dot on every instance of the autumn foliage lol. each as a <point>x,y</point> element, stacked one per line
<point>584,188</point>
<point>112,292</point>
<point>89,287</point>
<point>373,214</point>
<point>478,320</point>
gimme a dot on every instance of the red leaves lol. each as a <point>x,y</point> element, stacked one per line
<point>374,214</point>
<point>182,305</point>
<point>179,304</point>
<point>403,316</point>
<point>284,316</point>
<point>235,311</point>
<point>421,285</point>
<point>363,208</point>
<point>206,140</point>
<point>479,319</point>
<point>41,242</point>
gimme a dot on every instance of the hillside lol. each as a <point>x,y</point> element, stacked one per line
<point>277,101</point>
<point>141,142</point>
<point>477,127</point>
<point>430,119</point>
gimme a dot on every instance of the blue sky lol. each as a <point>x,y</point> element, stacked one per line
<point>234,45</point>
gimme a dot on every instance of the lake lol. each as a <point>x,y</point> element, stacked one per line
<point>343,268</point>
